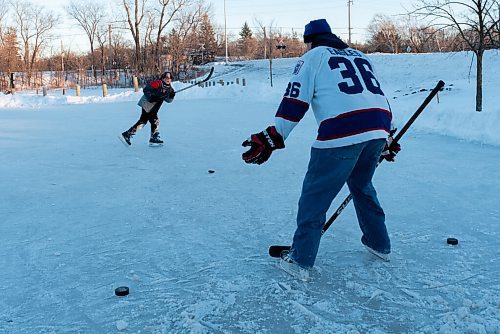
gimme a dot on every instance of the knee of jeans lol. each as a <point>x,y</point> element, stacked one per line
<point>361,187</point>
<point>311,223</point>
<point>354,187</point>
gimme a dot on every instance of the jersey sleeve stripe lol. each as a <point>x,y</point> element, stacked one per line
<point>292,110</point>
<point>355,122</point>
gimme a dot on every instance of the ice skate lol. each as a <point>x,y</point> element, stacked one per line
<point>125,138</point>
<point>382,256</point>
<point>155,140</point>
<point>292,268</point>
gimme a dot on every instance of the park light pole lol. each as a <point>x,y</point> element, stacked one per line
<point>349,2</point>
<point>225,28</point>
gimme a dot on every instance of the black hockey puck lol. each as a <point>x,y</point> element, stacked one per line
<point>452,241</point>
<point>211,171</point>
<point>121,291</point>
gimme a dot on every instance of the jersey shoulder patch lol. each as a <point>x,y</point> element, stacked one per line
<point>156,84</point>
<point>297,68</point>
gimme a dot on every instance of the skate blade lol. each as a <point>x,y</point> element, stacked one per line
<point>124,142</point>
<point>155,145</point>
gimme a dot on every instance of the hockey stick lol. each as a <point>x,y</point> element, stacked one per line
<point>198,82</point>
<point>275,250</point>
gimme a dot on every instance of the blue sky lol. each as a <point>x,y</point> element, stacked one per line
<point>286,15</point>
<point>294,14</point>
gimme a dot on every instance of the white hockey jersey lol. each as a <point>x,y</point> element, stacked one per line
<point>344,93</point>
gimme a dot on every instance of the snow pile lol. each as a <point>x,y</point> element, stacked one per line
<point>36,100</point>
<point>406,79</point>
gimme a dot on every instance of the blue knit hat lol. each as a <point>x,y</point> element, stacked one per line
<point>316,27</point>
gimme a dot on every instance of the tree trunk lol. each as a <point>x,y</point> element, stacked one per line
<point>103,65</point>
<point>138,58</point>
<point>479,80</point>
<point>92,60</point>
<point>271,70</point>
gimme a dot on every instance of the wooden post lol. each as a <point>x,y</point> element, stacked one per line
<point>243,82</point>
<point>136,84</point>
<point>104,90</point>
<point>44,90</point>
<point>237,81</point>
<point>77,90</point>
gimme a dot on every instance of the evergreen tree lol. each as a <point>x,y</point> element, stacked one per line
<point>9,52</point>
<point>206,37</point>
<point>246,43</point>
<point>245,32</point>
<point>175,50</point>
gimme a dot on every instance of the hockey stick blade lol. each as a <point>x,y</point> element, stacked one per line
<point>275,251</point>
<point>198,82</point>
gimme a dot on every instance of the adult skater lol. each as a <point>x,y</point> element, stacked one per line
<point>354,119</point>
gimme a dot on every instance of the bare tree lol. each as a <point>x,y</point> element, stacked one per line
<point>3,14</point>
<point>90,16</point>
<point>121,51</point>
<point>182,38</point>
<point>148,22</point>
<point>474,20</point>
<point>419,37</point>
<point>34,24</point>
<point>496,32</point>
<point>416,36</point>
<point>187,18</point>
<point>148,43</point>
<point>166,12</point>
<point>135,10</point>
<point>268,34</point>
<point>102,39</point>
<point>385,34</point>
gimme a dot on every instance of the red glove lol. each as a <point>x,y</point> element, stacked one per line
<point>262,145</point>
<point>391,148</point>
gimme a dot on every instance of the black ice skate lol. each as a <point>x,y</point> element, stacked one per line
<point>155,140</point>
<point>125,138</point>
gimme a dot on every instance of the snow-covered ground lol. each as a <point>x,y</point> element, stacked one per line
<point>81,214</point>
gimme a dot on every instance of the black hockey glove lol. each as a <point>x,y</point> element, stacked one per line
<point>169,95</point>
<point>391,148</point>
<point>262,145</point>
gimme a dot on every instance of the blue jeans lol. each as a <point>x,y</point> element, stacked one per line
<point>329,169</point>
